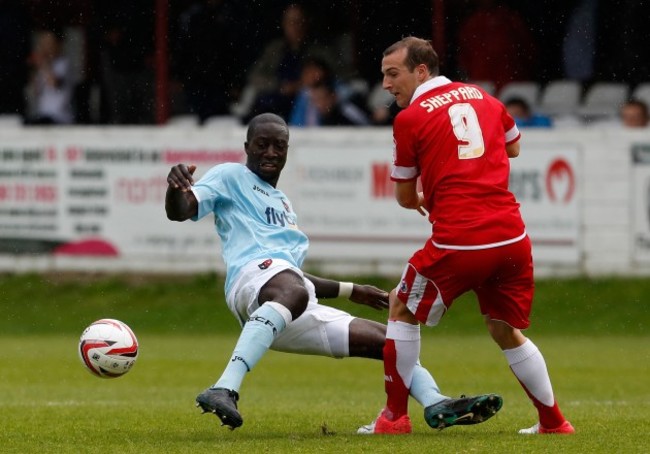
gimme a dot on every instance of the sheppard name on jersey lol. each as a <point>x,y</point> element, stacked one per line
<point>462,94</point>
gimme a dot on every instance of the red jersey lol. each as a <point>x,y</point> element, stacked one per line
<point>453,136</point>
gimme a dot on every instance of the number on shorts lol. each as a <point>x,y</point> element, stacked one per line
<point>467,130</point>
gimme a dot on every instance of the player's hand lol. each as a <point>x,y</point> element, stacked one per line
<point>369,295</point>
<point>421,209</point>
<point>180,177</point>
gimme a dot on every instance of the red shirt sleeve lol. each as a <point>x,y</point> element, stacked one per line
<point>405,159</point>
<point>509,126</point>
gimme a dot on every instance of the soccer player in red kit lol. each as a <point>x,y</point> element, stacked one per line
<point>457,139</point>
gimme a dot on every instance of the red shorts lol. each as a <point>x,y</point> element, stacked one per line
<point>501,277</point>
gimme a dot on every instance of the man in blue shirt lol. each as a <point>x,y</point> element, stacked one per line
<point>524,117</point>
<point>274,300</point>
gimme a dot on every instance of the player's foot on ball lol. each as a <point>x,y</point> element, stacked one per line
<point>463,411</point>
<point>565,429</point>
<point>383,425</point>
<point>223,403</point>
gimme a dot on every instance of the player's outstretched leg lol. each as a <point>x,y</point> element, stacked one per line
<point>223,403</point>
<point>463,411</point>
<point>255,339</point>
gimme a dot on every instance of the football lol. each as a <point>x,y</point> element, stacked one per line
<point>108,348</point>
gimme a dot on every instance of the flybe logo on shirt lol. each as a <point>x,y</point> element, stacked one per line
<point>279,218</point>
<point>462,94</point>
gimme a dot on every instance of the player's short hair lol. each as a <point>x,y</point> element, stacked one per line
<point>263,118</point>
<point>418,52</point>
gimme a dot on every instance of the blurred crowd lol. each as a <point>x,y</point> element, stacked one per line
<point>314,63</point>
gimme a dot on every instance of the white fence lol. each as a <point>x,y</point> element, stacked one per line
<point>93,199</point>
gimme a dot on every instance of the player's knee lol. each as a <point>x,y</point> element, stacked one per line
<point>503,334</point>
<point>496,329</point>
<point>295,298</point>
<point>398,310</point>
<point>288,289</point>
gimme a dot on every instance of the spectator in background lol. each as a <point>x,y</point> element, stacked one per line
<point>384,115</point>
<point>332,111</point>
<point>382,106</point>
<point>521,111</point>
<point>634,114</point>
<point>496,44</point>
<point>579,45</point>
<point>306,111</point>
<point>276,73</point>
<point>126,30</point>
<point>14,51</point>
<point>52,85</point>
<point>204,57</point>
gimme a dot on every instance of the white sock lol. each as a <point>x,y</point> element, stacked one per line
<point>528,365</point>
<point>407,347</point>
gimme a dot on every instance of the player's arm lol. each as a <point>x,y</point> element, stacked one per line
<point>407,195</point>
<point>368,295</point>
<point>512,149</point>
<point>180,201</point>
<point>512,134</point>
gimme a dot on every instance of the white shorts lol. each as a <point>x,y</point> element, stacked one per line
<point>320,330</point>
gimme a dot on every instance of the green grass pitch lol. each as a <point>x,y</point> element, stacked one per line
<point>593,334</point>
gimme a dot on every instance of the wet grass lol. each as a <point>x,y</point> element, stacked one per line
<point>592,332</point>
<point>290,403</point>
